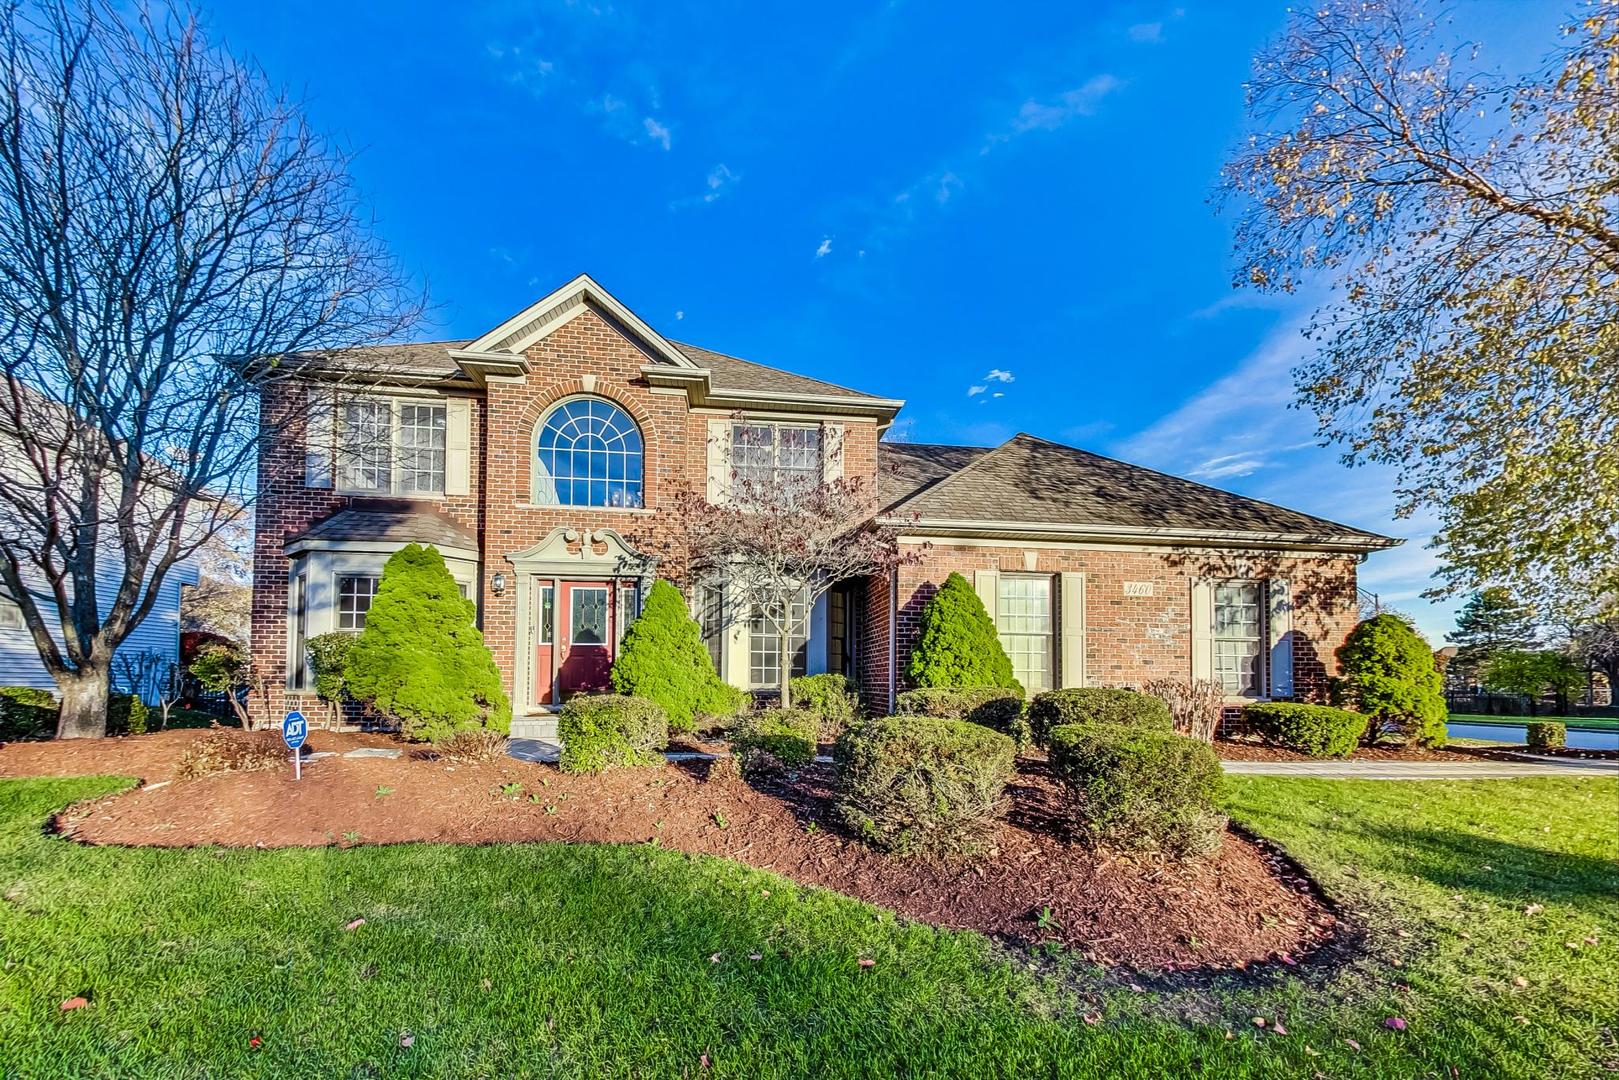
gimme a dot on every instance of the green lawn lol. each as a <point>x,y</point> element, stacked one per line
<point>1596,723</point>
<point>581,960</point>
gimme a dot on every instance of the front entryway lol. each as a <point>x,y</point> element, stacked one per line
<point>573,643</point>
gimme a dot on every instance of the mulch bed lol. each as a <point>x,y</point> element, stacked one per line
<point>150,757</point>
<point>1244,906</point>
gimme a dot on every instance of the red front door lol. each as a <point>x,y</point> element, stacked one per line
<point>584,631</point>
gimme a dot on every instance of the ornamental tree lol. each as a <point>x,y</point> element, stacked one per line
<point>958,645</point>
<point>420,660</point>
<point>663,659</point>
<point>1389,674</point>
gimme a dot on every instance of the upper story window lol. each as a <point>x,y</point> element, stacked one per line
<point>588,453</point>
<point>391,446</point>
<point>1239,629</point>
<point>768,455</point>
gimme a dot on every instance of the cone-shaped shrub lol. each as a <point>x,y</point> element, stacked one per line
<point>663,659</point>
<point>958,645</point>
<point>1389,674</point>
<point>420,660</point>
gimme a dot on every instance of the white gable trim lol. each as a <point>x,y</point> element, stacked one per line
<point>539,319</point>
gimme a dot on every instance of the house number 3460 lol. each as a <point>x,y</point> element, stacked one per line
<point>1138,588</point>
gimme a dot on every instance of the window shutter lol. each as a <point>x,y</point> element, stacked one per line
<point>458,446</point>
<point>1279,624</point>
<point>318,440</point>
<point>988,585</point>
<point>1202,630</point>
<point>719,460</point>
<point>1071,625</point>
<point>831,453</point>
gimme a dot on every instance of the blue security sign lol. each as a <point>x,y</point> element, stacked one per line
<point>294,729</point>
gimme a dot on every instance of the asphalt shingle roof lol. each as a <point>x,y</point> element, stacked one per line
<point>906,469</point>
<point>1031,480</point>
<point>401,526</point>
<point>734,373</point>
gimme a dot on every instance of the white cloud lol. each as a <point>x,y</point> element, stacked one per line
<point>679,315</point>
<point>998,375</point>
<point>974,391</point>
<point>824,248</point>
<point>720,180</point>
<point>1147,33</point>
<point>1052,113</point>
<point>1239,432</point>
<point>656,132</point>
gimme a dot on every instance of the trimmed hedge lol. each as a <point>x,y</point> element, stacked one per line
<point>663,659</point>
<point>917,785</point>
<point>1389,675</point>
<point>26,713</point>
<point>956,644</point>
<point>603,730</point>
<point>1096,705</point>
<point>776,739</point>
<point>1546,735</point>
<point>126,714</point>
<point>834,698</point>
<point>992,706</point>
<point>1140,789</point>
<point>1317,730</point>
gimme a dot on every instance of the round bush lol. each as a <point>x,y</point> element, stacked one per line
<point>1390,676</point>
<point>992,706</point>
<point>1096,705</point>
<point>1317,730</point>
<point>1140,789</point>
<point>776,739</point>
<point>834,698</point>
<point>917,785</point>
<point>602,730</point>
<point>1546,735</point>
<point>956,644</point>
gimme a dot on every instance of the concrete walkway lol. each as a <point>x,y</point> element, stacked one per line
<point>1426,770</point>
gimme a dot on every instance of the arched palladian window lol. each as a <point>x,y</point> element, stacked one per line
<point>588,453</point>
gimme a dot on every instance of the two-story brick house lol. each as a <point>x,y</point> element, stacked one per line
<point>544,457</point>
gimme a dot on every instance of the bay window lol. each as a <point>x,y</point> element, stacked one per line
<point>354,595</point>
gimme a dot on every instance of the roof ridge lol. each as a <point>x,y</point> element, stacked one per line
<point>944,482</point>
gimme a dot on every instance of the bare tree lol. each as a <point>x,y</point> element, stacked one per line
<point>170,229</point>
<point>221,602</point>
<point>782,538</point>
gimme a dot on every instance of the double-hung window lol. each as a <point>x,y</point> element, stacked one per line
<point>764,646</point>
<point>768,456</point>
<point>1023,620</point>
<point>391,446</point>
<point>354,595</point>
<point>1239,629</point>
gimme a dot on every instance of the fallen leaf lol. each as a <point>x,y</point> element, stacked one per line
<point>1093,1018</point>
<point>1533,909</point>
<point>1572,944</point>
<point>1592,940</point>
<point>764,892</point>
<point>1312,1051</point>
<point>407,1040</point>
<point>866,962</point>
<point>755,956</point>
<point>1352,1044</point>
<point>1259,1021</point>
<point>1521,1021</point>
<point>73,1003</point>
<point>355,925</point>
<point>255,1042</point>
<point>1519,981</point>
<point>1395,1023</point>
<point>487,984</point>
<point>1278,1028</point>
<point>714,958</point>
<point>702,1060</point>
<point>1138,988</point>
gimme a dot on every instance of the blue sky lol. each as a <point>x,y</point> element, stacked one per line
<point>999,214</point>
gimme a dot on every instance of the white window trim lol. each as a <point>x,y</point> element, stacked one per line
<point>776,427</point>
<point>1052,634</point>
<point>395,405</point>
<point>1263,674</point>
<point>535,470</point>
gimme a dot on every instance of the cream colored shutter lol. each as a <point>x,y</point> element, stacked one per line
<point>987,583</point>
<point>458,446</point>
<point>318,439</point>
<point>831,453</point>
<point>1071,625</point>
<point>1279,622</point>
<point>1202,630</point>
<point>719,460</point>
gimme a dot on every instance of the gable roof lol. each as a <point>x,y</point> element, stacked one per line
<point>1032,486</point>
<point>734,373</point>
<point>906,469</point>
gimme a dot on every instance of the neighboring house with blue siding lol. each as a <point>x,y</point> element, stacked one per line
<point>159,632</point>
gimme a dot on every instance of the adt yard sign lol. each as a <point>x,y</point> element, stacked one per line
<point>294,730</point>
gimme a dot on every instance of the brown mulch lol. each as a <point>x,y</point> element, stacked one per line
<point>151,758</point>
<point>1253,750</point>
<point>1242,907</point>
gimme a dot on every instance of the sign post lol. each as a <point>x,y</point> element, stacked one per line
<point>294,730</point>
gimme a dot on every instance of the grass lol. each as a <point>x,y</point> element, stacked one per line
<point>1593,723</point>
<point>630,960</point>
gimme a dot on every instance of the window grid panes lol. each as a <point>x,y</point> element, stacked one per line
<point>421,448</point>
<point>1239,637</point>
<point>764,647</point>
<point>588,453</point>
<point>589,616</point>
<point>1023,619</point>
<point>354,595</point>
<point>365,445</point>
<point>766,454</point>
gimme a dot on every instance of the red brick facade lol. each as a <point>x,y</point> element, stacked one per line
<point>1127,639</point>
